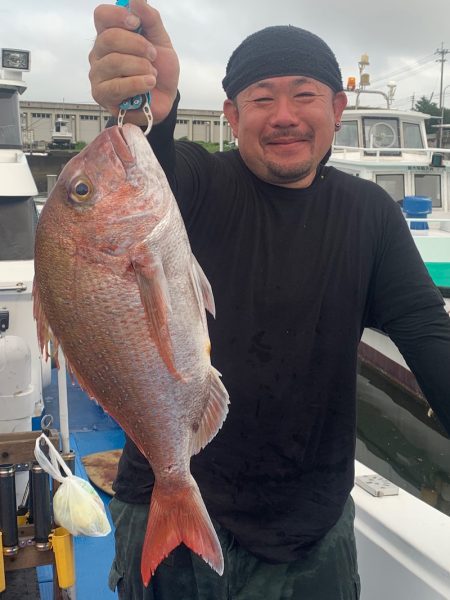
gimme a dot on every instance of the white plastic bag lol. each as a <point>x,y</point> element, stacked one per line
<point>76,505</point>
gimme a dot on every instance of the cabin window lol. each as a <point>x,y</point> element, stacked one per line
<point>394,185</point>
<point>18,219</point>
<point>412,136</point>
<point>347,135</point>
<point>430,186</point>
<point>381,132</point>
<point>9,120</point>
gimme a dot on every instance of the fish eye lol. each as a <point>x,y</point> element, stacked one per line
<point>82,190</point>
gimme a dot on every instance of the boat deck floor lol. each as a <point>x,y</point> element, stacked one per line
<point>91,430</point>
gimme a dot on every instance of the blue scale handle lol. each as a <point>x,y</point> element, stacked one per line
<point>136,101</point>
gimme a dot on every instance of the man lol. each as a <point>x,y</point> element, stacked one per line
<point>301,258</point>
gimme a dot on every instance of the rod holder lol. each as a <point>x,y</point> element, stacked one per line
<point>8,510</point>
<point>69,459</point>
<point>62,544</point>
<point>42,517</point>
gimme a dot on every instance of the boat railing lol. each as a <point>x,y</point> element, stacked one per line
<point>441,224</point>
<point>377,154</point>
<point>428,220</point>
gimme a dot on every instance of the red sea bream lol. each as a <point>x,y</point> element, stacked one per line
<point>117,286</point>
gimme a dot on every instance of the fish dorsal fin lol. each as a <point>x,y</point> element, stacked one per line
<point>214,414</point>
<point>155,297</point>
<point>202,288</point>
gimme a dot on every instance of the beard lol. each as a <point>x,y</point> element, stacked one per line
<point>285,174</point>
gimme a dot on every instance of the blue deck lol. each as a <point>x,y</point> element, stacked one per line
<point>91,430</point>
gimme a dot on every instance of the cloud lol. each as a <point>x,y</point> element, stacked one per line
<point>394,33</point>
<point>200,85</point>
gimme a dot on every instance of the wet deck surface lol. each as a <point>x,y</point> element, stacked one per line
<point>91,431</point>
<point>21,584</point>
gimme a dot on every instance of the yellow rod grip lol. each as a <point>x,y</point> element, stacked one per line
<point>2,566</point>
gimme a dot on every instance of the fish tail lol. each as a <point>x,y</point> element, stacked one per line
<point>175,518</point>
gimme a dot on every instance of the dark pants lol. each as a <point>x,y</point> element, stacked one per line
<point>329,572</point>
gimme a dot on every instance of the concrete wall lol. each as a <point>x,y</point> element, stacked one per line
<point>43,165</point>
<point>88,120</point>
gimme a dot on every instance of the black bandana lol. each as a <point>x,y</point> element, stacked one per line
<point>277,51</point>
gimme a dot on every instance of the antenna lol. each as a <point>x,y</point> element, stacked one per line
<point>364,78</point>
<point>392,87</point>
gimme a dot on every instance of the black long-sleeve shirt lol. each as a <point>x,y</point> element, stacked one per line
<point>297,274</point>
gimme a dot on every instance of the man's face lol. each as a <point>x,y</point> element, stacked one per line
<point>285,126</point>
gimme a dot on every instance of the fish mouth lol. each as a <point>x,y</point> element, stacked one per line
<point>120,145</point>
<point>131,146</point>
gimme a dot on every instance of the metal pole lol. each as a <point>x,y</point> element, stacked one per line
<point>221,121</point>
<point>442,115</point>
<point>63,408</point>
<point>443,51</point>
<point>441,104</point>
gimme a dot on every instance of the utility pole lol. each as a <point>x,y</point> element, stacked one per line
<point>443,52</point>
<point>442,115</point>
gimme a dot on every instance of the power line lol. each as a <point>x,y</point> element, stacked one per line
<point>410,101</point>
<point>421,62</point>
<point>405,73</point>
<point>408,73</point>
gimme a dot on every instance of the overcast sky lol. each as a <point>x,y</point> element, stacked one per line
<point>400,37</point>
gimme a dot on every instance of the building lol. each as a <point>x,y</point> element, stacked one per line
<point>86,121</point>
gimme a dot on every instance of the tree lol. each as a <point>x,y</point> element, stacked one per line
<point>431,108</point>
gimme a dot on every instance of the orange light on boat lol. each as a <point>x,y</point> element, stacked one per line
<point>351,84</point>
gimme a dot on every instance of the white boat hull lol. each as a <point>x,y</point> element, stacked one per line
<point>403,546</point>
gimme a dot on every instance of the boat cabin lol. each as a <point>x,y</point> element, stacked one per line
<point>390,147</point>
<point>62,136</point>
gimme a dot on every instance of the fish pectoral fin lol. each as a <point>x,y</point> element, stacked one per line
<point>44,333</point>
<point>175,517</point>
<point>155,298</point>
<point>202,288</point>
<point>214,414</point>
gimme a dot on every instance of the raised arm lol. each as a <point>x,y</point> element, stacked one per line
<point>125,63</point>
